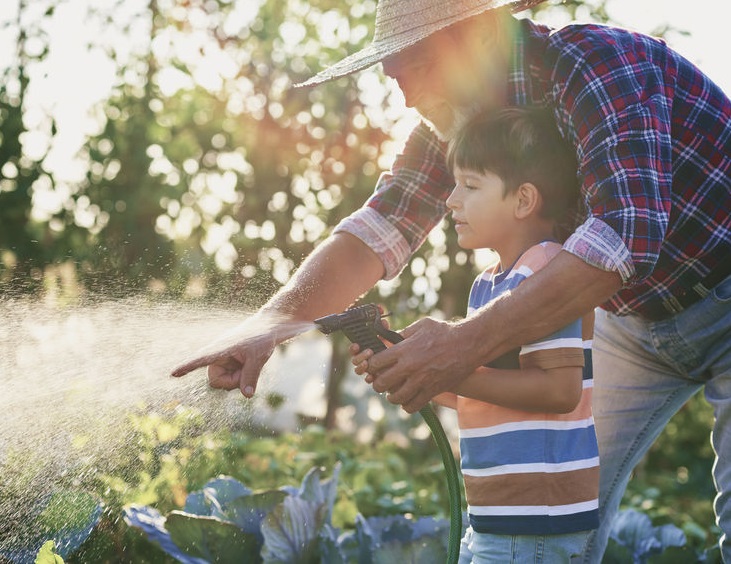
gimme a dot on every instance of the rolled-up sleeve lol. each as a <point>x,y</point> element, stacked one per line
<point>597,244</point>
<point>407,204</point>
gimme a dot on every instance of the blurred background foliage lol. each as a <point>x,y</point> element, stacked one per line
<point>203,175</point>
<point>208,174</point>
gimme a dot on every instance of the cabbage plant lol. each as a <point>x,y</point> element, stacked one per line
<point>227,522</point>
<point>639,542</point>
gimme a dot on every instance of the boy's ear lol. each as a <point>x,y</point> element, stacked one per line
<point>528,200</point>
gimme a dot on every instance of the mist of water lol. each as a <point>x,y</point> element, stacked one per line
<point>72,375</point>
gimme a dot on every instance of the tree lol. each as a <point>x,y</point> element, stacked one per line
<point>21,253</point>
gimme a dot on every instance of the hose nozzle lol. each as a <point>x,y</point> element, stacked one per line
<point>361,324</point>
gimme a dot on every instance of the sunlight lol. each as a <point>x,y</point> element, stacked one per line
<point>241,17</point>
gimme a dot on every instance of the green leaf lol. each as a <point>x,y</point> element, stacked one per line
<point>632,529</point>
<point>69,510</point>
<point>211,538</point>
<point>197,503</point>
<point>401,539</point>
<point>225,489</point>
<point>673,555</point>
<point>47,554</point>
<point>321,492</point>
<point>335,548</point>
<point>248,512</point>
<point>616,553</point>
<point>69,517</point>
<point>291,530</point>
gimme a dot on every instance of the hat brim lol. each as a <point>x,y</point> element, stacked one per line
<point>377,51</point>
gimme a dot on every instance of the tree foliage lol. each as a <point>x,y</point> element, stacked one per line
<point>207,163</point>
<point>208,173</point>
<point>20,252</point>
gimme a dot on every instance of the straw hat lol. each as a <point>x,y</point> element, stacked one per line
<point>402,23</point>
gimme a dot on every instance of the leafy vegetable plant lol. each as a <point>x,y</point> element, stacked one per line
<point>634,539</point>
<point>48,555</point>
<point>227,522</point>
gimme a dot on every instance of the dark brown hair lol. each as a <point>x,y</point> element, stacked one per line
<point>520,144</point>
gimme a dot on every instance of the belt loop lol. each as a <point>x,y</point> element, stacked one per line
<point>701,290</point>
<point>672,305</point>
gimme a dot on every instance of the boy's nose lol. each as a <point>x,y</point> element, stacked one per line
<point>452,201</point>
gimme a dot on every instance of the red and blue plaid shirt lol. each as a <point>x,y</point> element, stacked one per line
<point>653,141</point>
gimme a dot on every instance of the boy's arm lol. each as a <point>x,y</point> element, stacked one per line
<point>548,377</point>
<point>553,390</point>
<point>446,399</point>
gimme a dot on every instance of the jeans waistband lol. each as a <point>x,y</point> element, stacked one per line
<point>688,294</point>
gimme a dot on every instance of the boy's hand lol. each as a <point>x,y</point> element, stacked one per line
<point>360,358</point>
<point>360,361</point>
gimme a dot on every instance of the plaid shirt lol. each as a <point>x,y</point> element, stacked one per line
<point>653,142</point>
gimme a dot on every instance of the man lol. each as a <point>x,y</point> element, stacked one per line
<point>653,142</point>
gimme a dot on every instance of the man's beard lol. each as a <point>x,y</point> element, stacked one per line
<point>458,117</point>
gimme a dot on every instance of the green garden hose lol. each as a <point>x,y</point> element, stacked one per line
<point>450,467</point>
<point>362,325</point>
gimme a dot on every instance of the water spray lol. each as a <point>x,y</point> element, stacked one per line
<point>362,325</point>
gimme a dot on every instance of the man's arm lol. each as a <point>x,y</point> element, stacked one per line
<point>338,271</point>
<point>436,356</point>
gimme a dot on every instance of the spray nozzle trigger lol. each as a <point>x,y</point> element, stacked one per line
<point>362,325</point>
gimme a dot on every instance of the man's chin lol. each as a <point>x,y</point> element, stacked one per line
<point>443,133</point>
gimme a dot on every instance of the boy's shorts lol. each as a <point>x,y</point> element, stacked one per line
<point>484,548</point>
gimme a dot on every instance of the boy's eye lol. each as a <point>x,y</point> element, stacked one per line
<point>469,186</point>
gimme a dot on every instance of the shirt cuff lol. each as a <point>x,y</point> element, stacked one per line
<point>599,245</point>
<point>381,236</point>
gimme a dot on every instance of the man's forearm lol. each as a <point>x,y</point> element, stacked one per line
<point>565,290</point>
<point>331,278</point>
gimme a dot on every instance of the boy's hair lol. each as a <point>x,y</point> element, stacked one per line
<point>521,144</point>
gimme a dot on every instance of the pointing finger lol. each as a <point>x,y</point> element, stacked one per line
<point>194,364</point>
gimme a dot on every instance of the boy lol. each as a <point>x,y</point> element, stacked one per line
<point>528,449</point>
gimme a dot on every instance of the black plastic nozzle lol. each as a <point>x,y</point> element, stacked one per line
<point>362,325</point>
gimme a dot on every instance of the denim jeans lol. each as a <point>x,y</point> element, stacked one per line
<point>643,373</point>
<point>482,548</point>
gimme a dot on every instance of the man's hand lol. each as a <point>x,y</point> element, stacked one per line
<point>236,359</point>
<point>232,367</point>
<point>427,362</point>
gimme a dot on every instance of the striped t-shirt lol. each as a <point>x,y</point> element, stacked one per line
<point>531,473</point>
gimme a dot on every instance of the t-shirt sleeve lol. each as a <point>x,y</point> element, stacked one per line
<point>564,347</point>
